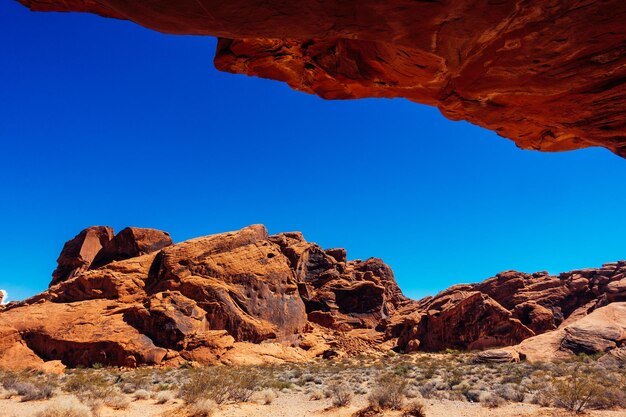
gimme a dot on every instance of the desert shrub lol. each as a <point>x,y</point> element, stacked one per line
<point>491,400</point>
<point>30,391</point>
<point>472,395</point>
<point>268,396</point>
<point>65,407</point>
<point>389,392</point>
<point>88,384</point>
<point>510,392</point>
<point>414,409</point>
<point>141,394</point>
<point>340,394</point>
<point>242,385</point>
<point>220,384</point>
<point>164,397</point>
<point>94,404</point>
<point>578,390</point>
<point>202,408</point>
<point>316,395</point>
<point>117,401</point>
<point>427,389</point>
<point>205,384</point>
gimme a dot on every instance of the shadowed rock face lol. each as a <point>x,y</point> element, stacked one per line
<point>250,297</point>
<point>549,75</point>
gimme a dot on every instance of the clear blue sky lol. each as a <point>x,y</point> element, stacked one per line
<point>105,122</point>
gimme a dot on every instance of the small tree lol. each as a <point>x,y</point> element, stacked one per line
<point>576,391</point>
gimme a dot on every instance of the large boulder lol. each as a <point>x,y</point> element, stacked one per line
<point>78,253</point>
<point>129,243</point>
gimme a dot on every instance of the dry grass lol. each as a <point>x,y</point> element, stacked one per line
<point>202,408</point>
<point>389,393</point>
<point>340,393</point>
<point>414,409</point>
<point>164,397</point>
<point>65,407</point>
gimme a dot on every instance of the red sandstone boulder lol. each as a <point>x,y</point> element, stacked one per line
<point>129,243</point>
<point>601,331</point>
<point>78,253</point>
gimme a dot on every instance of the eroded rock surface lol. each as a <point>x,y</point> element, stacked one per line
<point>139,299</point>
<point>549,75</point>
<point>78,253</point>
<point>248,297</point>
<point>507,309</point>
<point>602,331</point>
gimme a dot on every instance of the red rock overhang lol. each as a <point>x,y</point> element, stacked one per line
<point>549,75</point>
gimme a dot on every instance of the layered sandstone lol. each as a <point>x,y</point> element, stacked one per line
<point>235,297</point>
<point>250,297</point>
<point>506,309</point>
<point>549,75</point>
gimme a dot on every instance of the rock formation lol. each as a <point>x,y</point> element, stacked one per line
<point>141,300</point>
<point>136,298</point>
<point>506,309</point>
<point>3,297</point>
<point>602,331</point>
<point>549,75</point>
<point>78,253</point>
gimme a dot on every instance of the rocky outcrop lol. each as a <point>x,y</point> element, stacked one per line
<point>3,297</point>
<point>549,75</point>
<point>506,309</point>
<point>248,297</point>
<point>97,246</point>
<point>340,294</point>
<point>603,331</point>
<point>140,299</point>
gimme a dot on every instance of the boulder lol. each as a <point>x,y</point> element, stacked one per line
<point>497,356</point>
<point>129,243</point>
<point>78,253</point>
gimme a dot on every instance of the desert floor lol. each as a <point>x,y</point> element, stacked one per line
<point>298,405</point>
<point>445,384</point>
